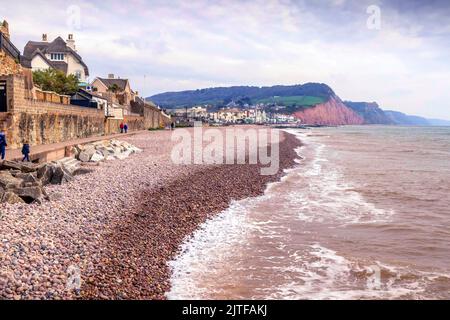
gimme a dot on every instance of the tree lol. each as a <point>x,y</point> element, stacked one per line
<point>56,81</point>
<point>113,88</point>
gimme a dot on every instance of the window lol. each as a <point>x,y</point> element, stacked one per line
<point>78,74</point>
<point>57,56</point>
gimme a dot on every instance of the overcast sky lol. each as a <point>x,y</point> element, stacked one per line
<point>176,45</point>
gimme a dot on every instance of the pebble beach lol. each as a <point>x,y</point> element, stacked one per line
<point>115,227</point>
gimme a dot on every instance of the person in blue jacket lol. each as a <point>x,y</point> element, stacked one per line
<point>125,127</point>
<point>26,152</point>
<point>3,144</point>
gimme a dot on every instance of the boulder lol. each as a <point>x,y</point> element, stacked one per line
<point>30,194</point>
<point>86,154</point>
<point>30,178</point>
<point>61,175</point>
<point>97,157</point>
<point>8,181</point>
<point>28,167</point>
<point>45,173</point>
<point>11,198</point>
<point>8,165</point>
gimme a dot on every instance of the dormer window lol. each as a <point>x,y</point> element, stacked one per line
<point>57,56</point>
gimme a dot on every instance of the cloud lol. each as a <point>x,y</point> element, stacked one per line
<point>177,45</point>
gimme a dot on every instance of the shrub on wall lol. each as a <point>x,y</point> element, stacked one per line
<point>56,80</point>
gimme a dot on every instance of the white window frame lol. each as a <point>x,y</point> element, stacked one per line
<point>57,56</point>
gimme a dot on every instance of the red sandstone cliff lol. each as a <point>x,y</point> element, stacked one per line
<point>332,112</point>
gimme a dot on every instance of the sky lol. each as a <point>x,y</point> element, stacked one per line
<point>396,52</point>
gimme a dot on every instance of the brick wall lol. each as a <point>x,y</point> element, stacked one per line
<point>135,123</point>
<point>40,122</point>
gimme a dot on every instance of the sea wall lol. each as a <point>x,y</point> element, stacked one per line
<point>135,123</point>
<point>44,122</point>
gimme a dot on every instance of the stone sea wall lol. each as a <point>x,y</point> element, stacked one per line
<point>44,123</point>
<point>40,122</point>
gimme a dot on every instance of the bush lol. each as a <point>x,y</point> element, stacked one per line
<point>56,81</point>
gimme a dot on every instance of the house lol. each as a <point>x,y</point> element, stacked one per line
<point>117,90</point>
<point>255,115</point>
<point>230,115</point>
<point>84,98</point>
<point>58,54</point>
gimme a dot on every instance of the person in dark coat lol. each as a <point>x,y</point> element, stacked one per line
<point>3,144</point>
<point>26,152</point>
<point>125,127</point>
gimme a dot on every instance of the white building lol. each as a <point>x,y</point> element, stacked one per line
<point>58,54</point>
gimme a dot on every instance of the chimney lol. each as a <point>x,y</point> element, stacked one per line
<point>44,37</point>
<point>71,42</point>
<point>111,76</point>
<point>4,28</point>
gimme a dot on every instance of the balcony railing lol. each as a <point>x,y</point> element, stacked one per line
<point>9,48</point>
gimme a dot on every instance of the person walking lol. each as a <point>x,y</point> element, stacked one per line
<point>125,127</point>
<point>121,127</point>
<point>3,144</point>
<point>26,152</point>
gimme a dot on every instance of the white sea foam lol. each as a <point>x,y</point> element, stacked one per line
<point>321,274</point>
<point>324,194</point>
<point>229,253</point>
<point>208,247</point>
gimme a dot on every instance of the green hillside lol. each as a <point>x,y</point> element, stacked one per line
<point>305,95</point>
<point>294,100</point>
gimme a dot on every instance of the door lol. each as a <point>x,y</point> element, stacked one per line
<point>3,107</point>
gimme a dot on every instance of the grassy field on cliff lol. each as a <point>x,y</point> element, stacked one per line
<point>294,100</point>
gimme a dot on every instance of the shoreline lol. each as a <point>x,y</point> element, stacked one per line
<point>121,234</point>
<point>153,235</point>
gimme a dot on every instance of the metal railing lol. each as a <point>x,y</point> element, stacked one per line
<point>9,48</point>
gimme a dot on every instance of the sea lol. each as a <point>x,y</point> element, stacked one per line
<point>364,214</point>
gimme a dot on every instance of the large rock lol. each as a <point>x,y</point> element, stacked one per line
<point>8,165</point>
<point>45,173</point>
<point>97,157</point>
<point>8,181</point>
<point>61,175</point>
<point>86,154</point>
<point>29,178</point>
<point>10,197</point>
<point>30,194</point>
<point>29,167</point>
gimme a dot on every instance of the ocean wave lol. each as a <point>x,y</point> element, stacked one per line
<point>321,274</point>
<point>324,194</point>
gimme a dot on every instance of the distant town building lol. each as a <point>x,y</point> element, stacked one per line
<point>255,115</point>
<point>229,115</point>
<point>116,89</point>
<point>279,118</point>
<point>58,54</point>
